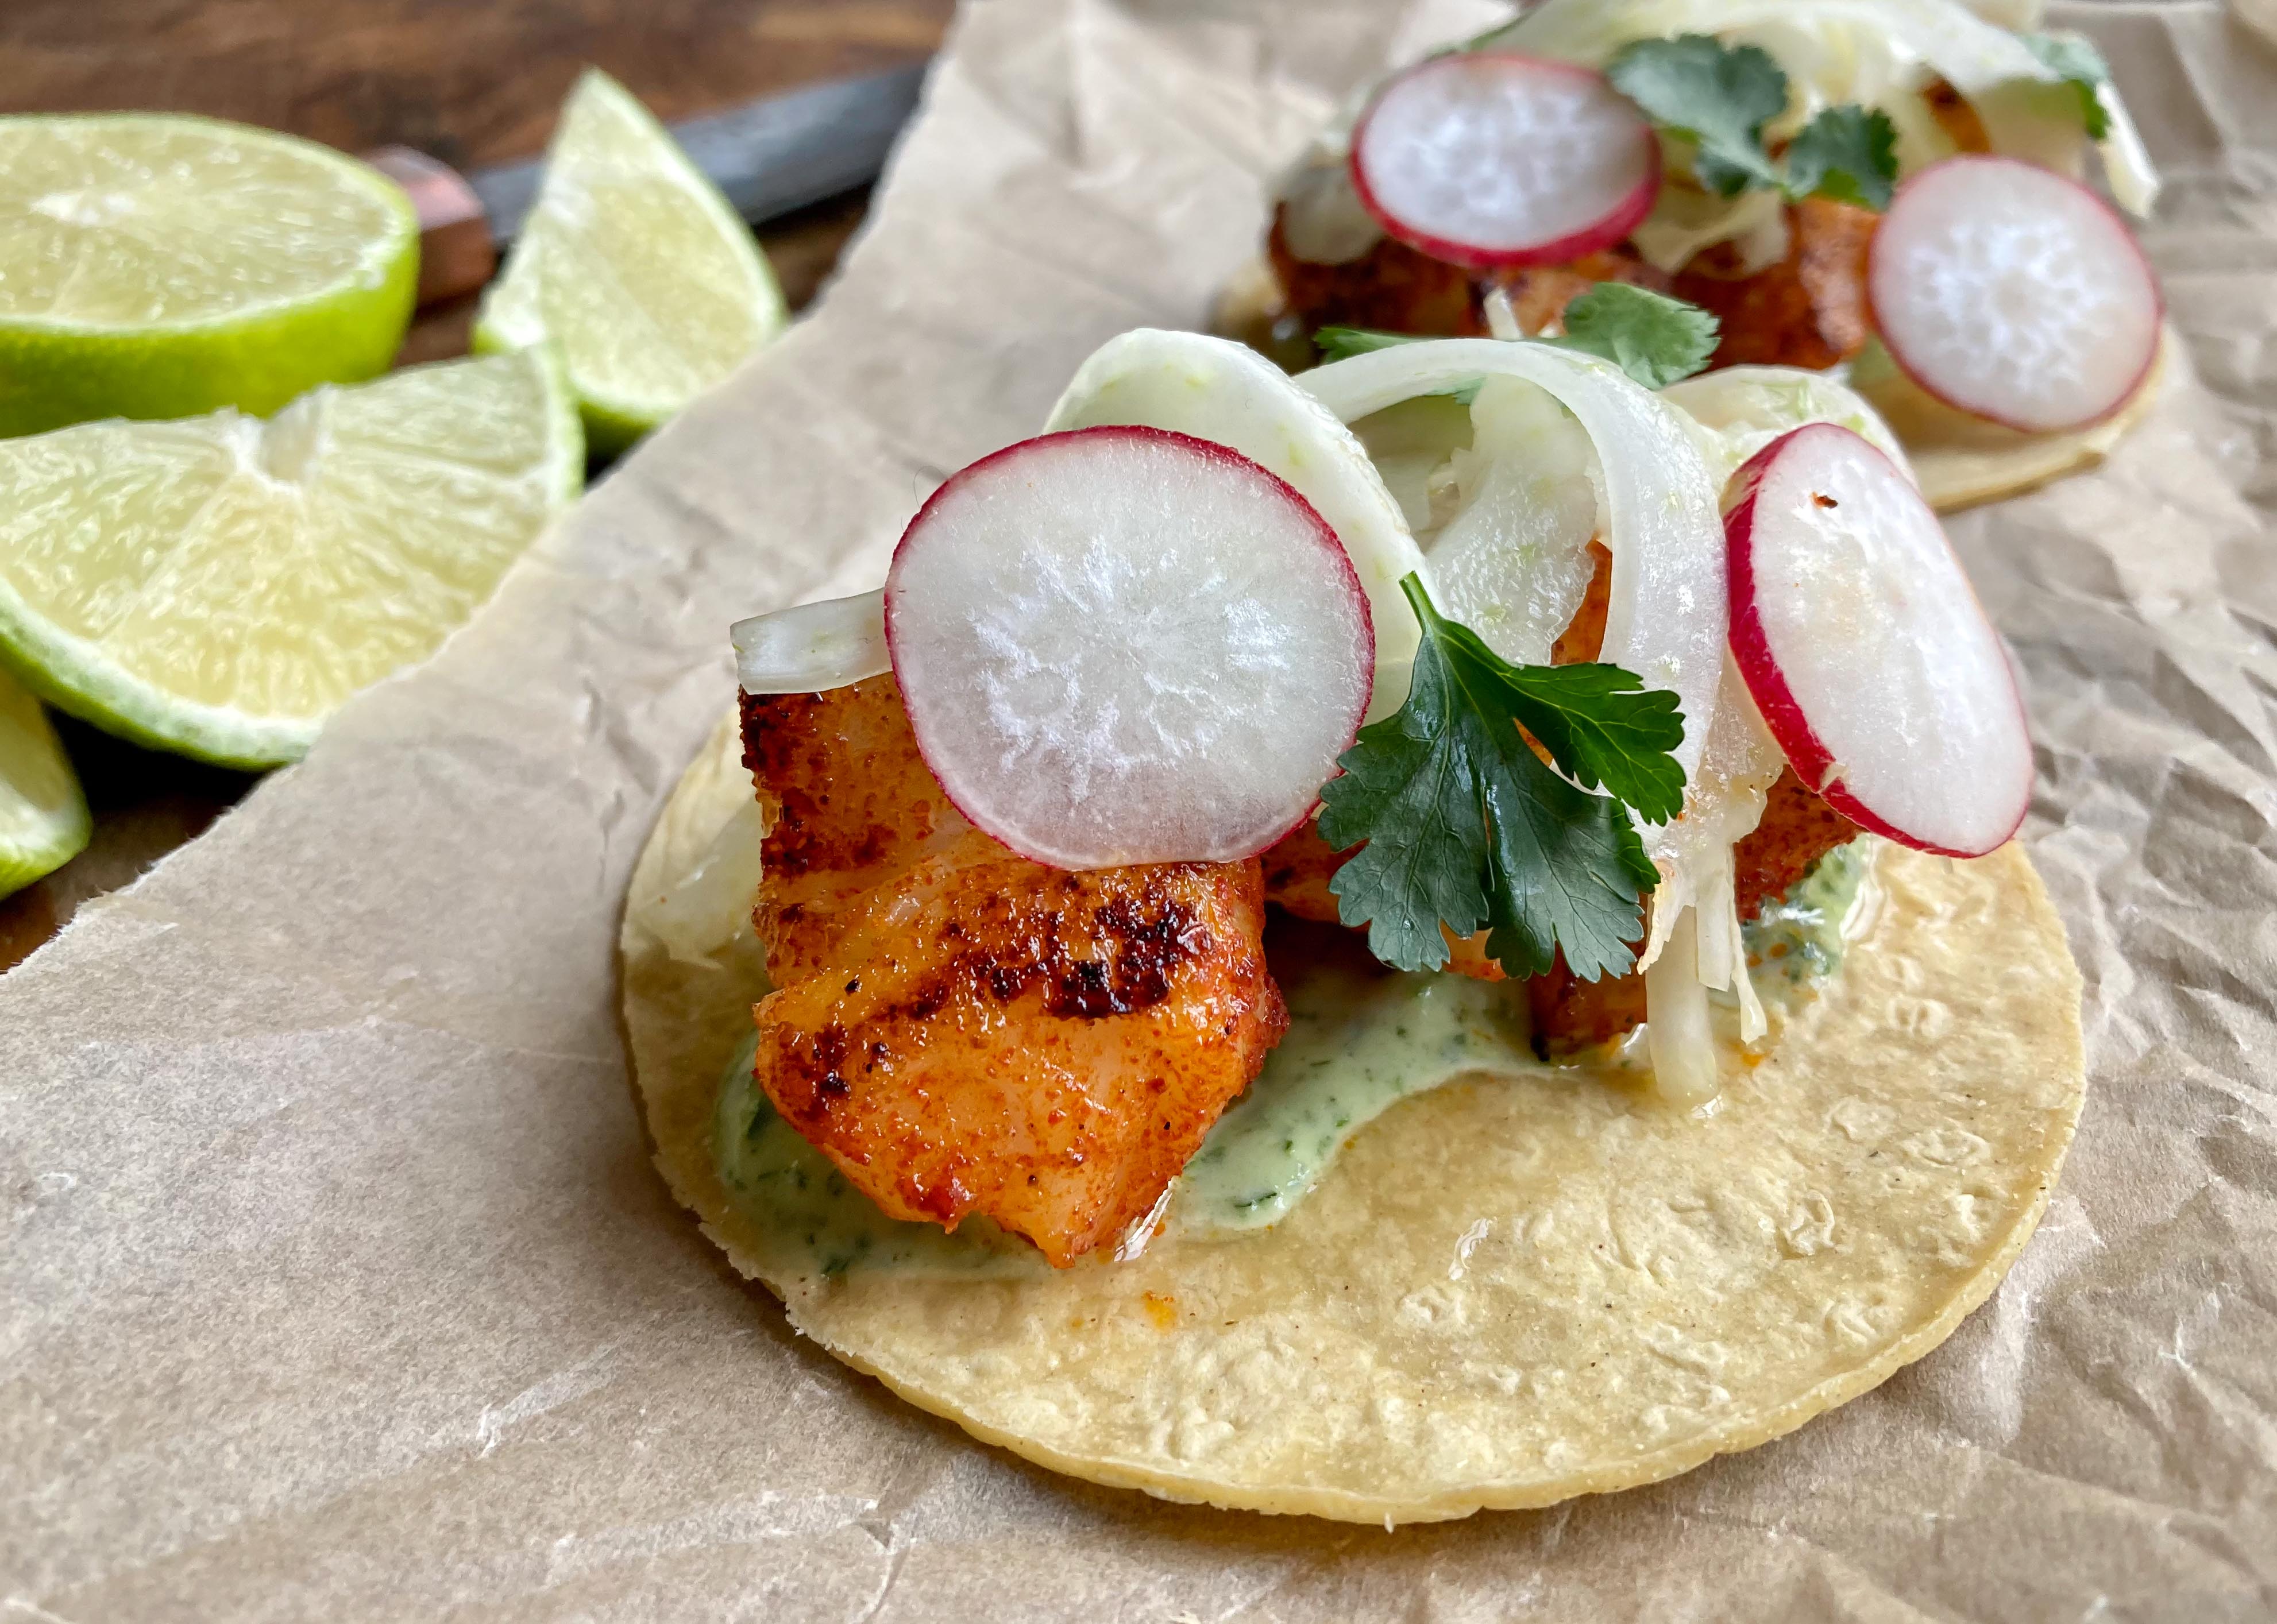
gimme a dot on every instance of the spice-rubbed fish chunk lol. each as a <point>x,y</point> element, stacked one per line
<point>1399,289</point>
<point>963,1031</point>
<point>855,807</point>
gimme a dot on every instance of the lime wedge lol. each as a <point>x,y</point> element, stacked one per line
<point>154,266</point>
<point>634,264</point>
<point>43,822</point>
<point>217,586</point>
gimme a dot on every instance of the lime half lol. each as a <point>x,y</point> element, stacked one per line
<point>43,822</point>
<point>634,264</point>
<point>217,586</point>
<point>154,266</point>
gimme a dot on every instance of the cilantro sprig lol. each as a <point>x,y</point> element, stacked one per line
<point>1465,827</point>
<point>1721,96</point>
<point>1652,337</point>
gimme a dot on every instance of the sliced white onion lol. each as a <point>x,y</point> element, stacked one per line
<point>832,644</point>
<point>1745,409</point>
<point>1741,763</point>
<point>1667,615</point>
<point>1684,221</point>
<point>1225,393</point>
<point>1865,50</point>
<point>1678,1036</point>
<point>1513,562</point>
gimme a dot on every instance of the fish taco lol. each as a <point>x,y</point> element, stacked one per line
<point>1444,933</point>
<point>1892,191</point>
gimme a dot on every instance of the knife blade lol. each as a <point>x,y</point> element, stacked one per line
<point>769,156</point>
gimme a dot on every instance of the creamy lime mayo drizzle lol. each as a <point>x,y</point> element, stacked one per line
<point>807,1210</point>
<point>1800,937</point>
<point>1361,1040</point>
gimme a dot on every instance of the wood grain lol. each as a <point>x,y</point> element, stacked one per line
<point>471,81</point>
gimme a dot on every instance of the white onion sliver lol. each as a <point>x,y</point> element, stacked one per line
<point>1225,393</point>
<point>1745,409</point>
<point>1667,617</point>
<point>832,644</point>
<point>1677,1034</point>
<point>1513,562</point>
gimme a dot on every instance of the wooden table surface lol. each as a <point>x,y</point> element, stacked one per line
<point>471,81</point>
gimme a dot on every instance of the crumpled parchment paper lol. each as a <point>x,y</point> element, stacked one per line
<point>334,1280</point>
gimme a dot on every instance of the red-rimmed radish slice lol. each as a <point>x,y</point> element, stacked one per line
<point>1492,158</point>
<point>1865,648</point>
<point>1120,645</point>
<point>2014,294</point>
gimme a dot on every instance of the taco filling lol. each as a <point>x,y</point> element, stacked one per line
<point>1268,837</point>
<point>1888,189</point>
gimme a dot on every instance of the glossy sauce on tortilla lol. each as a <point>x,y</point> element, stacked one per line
<point>1361,1040</point>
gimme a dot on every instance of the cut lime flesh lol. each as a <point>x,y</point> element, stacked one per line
<point>157,266</point>
<point>218,586</point>
<point>635,265</point>
<point>43,820</point>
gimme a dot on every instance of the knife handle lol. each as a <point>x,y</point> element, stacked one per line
<point>456,253</point>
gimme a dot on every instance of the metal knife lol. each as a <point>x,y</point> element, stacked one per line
<point>769,156</point>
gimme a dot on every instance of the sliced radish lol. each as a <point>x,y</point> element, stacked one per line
<point>1493,158</point>
<point>1227,393</point>
<point>2012,294</point>
<point>1120,645</point>
<point>1866,649</point>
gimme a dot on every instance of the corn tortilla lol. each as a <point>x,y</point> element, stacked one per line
<point>1507,1292</point>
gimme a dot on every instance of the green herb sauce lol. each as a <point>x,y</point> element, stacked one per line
<point>1799,938</point>
<point>817,1222</point>
<point>1360,1039</point>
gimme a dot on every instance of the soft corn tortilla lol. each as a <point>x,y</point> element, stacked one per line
<point>1506,1293</point>
<point>1958,461</point>
<point>1962,462</point>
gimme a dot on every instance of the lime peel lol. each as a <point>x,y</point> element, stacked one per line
<point>44,816</point>
<point>159,265</point>
<point>636,265</point>
<point>218,586</point>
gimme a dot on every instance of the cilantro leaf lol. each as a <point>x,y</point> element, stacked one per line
<point>1721,95</point>
<point>2073,59</point>
<point>1464,826</point>
<point>1600,723</point>
<point>1343,343</point>
<point>1653,338</point>
<point>1847,154</point>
